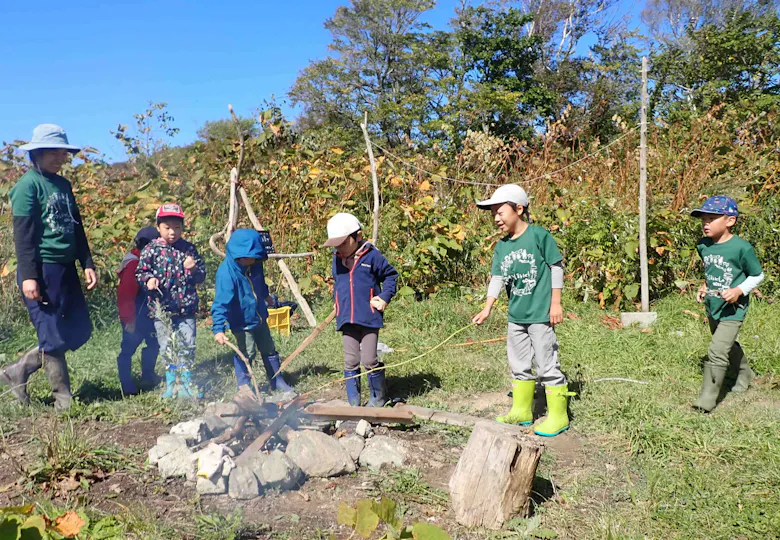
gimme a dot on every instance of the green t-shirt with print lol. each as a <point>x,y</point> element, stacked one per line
<point>524,265</point>
<point>49,199</point>
<point>726,266</point>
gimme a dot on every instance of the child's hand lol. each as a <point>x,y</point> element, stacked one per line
<point>701,293</point>
<point>91,278</point>
<point>152,284</point>
<point>731,295</point>
<point>556,314</point>
<point>269,301</point>
<point>31,290</point>
<point>481,317</point>
<point>130,328</point>
<point>378,304</point>
<point>189,263</point>
<point>221,338</point>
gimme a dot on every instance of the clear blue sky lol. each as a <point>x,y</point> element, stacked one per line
<point>90,65</point>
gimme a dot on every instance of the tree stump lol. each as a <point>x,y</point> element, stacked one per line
<point>493,478</point>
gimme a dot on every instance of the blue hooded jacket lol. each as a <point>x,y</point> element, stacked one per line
<point>239,301</point>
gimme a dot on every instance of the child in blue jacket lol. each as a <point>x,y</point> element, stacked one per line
<point>240,304</point>
<point>364,284</point>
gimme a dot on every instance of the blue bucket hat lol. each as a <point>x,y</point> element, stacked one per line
<point>49,136</point>
<point>718,204</point>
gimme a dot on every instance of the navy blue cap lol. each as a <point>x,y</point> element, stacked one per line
<point>718,204</point>
<point>148,234</point>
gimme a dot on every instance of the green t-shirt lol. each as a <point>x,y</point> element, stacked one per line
<point>727,265</point>
<point>49,200</point>
<point>524,265</point>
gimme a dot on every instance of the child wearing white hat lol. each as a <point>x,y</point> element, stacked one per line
<point>529,266</point>
<point>364,284</point>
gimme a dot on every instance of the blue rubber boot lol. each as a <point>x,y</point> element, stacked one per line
<point>378,386</point>
<point>188,389</point>
<point>353,387</point>
<point>271,364</point>
<point>170,383</point>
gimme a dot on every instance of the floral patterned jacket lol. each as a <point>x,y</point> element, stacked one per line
<point>165,262</point>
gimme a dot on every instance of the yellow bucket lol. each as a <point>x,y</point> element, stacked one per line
<point>279,320</point>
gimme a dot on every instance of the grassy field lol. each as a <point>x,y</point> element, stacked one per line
<point>638,462</point>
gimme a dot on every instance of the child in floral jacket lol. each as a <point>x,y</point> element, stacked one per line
<point>169,269</point>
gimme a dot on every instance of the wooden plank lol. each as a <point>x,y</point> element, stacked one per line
<point>311,337</point>
<point>463,420</point>
<point>275,426</point>
<point>370,414</point>
<point>492,481</point>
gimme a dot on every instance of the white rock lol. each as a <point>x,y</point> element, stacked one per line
<point>279,471</point>
<point>354,445</point>
<point>227,465</point>
<point>165,445</point>
<point>382,450</point>
<point>363,428</point>
<point>195,431</point>
<point>177,463</point>
<point>209,460</point>
<point>204,486</point>
<point>318,455</point>
<point>242,484</point>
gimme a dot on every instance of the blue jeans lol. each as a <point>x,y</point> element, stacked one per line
<point>177,344</point>
<point>144,332</point>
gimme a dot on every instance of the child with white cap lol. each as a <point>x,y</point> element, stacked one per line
<point>49,238</point>
<point>529,266</point>
<point>364,284</point>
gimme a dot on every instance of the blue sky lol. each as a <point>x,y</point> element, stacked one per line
<point>91,65</point>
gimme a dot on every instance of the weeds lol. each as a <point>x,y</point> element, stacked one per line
<point>408,485</point>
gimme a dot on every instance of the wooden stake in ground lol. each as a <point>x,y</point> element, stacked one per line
<point>374,181</point>
<point>644,280</point>
<point>492,481</point>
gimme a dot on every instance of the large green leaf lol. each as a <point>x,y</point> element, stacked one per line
<point>366,521</point>
<point>426,531</point>
<point>386,510</point>
<point>346,515</point>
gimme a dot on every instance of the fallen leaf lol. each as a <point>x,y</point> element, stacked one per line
<point>573,316</point>
<point>425,186</point>
<point>115,488</point>
<point>68,484</point>
<point>647,331</point>
<point>332,485</point>
<point>304,496</point>
<point>696,316</point>
<point>613,323</point>
<point>69,524</point>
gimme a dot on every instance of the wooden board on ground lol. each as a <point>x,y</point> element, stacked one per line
<point>463,420</point>
<point>492,481</point>
<point>369,414</point>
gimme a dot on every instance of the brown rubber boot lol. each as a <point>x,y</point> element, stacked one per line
<point>17,374</point>
<point>57,372</point>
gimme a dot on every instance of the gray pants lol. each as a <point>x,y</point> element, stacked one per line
<point>177,344</point>
<point>360,346</point>
<point>529,344</point>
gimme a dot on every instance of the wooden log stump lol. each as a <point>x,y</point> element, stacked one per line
<point>492,481</point>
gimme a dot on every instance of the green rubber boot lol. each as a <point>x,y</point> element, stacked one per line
<point>712,380</point>
<point>557,420</point>
<point>744,378</point>
<point>522,404</point>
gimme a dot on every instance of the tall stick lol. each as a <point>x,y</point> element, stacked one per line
<point>643,194</point>
<point>364,127</point>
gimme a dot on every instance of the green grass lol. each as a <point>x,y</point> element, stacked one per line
<point>649,466</point>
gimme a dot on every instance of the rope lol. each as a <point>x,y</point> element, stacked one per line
<point>397,364</point>
<point>528,181</point>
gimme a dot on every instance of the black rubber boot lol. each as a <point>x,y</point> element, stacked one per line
<point>57,372</point>
<point>17,374</point>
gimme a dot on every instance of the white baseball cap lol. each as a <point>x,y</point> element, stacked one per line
<point>340,227</point>
<point>510,193</point>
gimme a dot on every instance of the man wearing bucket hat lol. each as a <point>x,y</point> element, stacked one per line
<point>365,282</point>
<point>529,266</point>
<point>731,272</point>
<point>49,238</point>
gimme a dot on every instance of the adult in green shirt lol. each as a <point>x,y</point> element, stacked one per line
<point>528,264</point>
<point>49,238</point>
<point>731,271</point>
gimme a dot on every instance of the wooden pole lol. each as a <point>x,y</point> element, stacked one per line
<point>643,194</point>
<point>311,337</point>
<point>364,127</point>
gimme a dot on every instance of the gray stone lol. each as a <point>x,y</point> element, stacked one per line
<point>242,484</point>
<point>227,411</point>
<point>279,471</point>
<point>382,450</point>
<point>319,455</point>
<point>354,445</point>
<point>215,424</point>
<point>165,445</point>
<point>204,486</point>
<point>363,428</point>
<point>287,433</point>
<point>179,462</point>
<point>195,431</point>
<point>281,397</point>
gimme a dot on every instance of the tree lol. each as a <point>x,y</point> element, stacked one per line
<point>218,130</point>
<point>375,67</point>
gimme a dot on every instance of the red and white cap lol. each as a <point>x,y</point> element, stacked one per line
<point>170,210</point>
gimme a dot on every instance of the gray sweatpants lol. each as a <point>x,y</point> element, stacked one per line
<point>360,346</point>
<point>529,344</point>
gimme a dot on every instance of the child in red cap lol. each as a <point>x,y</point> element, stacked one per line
<point>169,269</point>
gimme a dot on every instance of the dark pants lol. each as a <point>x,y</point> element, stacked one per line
<point>61,319</point>
<point>248,343</point>
<point>144,332</point>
